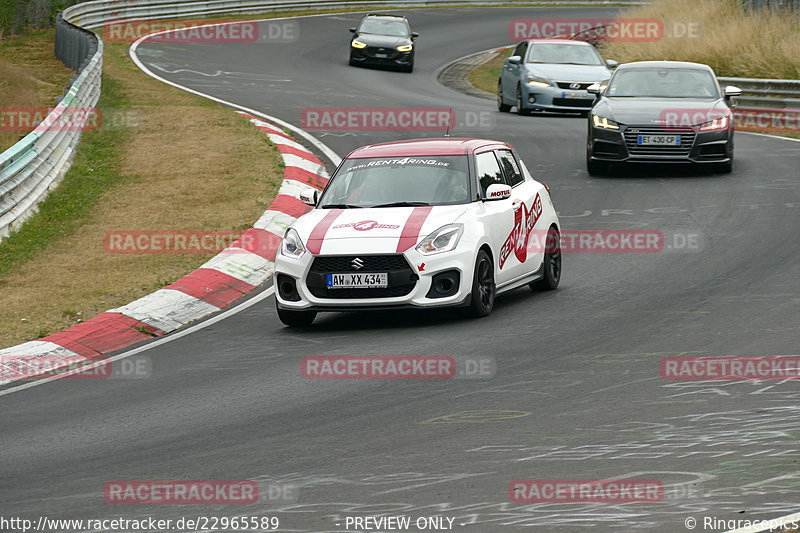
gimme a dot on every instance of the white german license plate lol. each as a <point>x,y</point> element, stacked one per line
<point>659,140</point>
<point>358,281</point>
<point>381,55</point>
<point>574,94</point>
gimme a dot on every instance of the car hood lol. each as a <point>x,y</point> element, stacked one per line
<point>672,111</point>
<point>560,72</point>
<point>382,41</point>
<point>372,230</point>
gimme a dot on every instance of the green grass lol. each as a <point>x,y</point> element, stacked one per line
<point>94,170</point>
<point>485,76</point>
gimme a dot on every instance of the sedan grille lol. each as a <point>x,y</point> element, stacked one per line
<point>634,149</point>
<point>574,85</point>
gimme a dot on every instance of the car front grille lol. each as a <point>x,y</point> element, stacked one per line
<point>390,53</point>
<point>632,133</point>
<point>581,85</point>
<point>402,278</point>
<point>574,102</point>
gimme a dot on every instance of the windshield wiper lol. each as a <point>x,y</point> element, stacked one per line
<point>403,204</point>
<point>340,206</point>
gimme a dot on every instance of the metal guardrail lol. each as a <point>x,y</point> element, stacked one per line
<point>36,164</point>
<point>774,5</point>
<point>766,93</point>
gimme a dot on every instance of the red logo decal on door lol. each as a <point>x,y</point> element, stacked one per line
<point>517,241</point>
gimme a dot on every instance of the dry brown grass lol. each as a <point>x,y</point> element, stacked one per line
<point>30,77</point>
<point>188,164</point>
<point>734,42</point>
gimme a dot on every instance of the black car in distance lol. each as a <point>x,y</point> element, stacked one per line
<point>385,40</point>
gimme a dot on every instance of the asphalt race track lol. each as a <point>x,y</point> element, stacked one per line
<point>577,392</point>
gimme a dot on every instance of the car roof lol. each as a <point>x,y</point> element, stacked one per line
<point>663,64</point>
<point>384,15</point>
<point>558,40</point>
<point>426,147</point>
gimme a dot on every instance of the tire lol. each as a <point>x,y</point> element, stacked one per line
<point>551,263</point>
<point>501,106</point>
<point>409,68</point>
<point>295,319</point>
<point>520,109</point>
<point>352,63</point>
<point>726,168</point>
<point>483,287</point>
<point>595,168</point>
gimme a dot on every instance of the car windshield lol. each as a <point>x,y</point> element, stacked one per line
<point>664,83</point>
<point>564,53</point>
<point>393,28</point>
<point>398,181</point>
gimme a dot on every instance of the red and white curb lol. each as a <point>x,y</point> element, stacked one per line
<point>217,284</point>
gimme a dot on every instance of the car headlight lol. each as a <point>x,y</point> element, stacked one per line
<point>716,124</point>
<point>355,43</point>
<point>443,239</point>
<point>405,48</point>
<point>535,81</point>
<point>605,123</point>
<point>292,245</point>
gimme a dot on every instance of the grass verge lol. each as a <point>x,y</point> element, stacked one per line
<point>733,41</point>
<point>162,160</point>
<point>485,76</point>
<point>30,78</point>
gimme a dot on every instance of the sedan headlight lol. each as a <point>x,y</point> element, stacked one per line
<point>605,123</point>
<point>443,239</point>
<point>716,124</point>
<point>358,44</point>
<point>405,48</point>
<point>292,245</point>
<point>535,81</point>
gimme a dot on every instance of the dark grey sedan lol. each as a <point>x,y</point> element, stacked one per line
<point>661,112</point>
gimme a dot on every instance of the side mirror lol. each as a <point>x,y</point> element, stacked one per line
<point>497,191</point>
<point>610,63</point>
<point>352,30</point>
<point>732,90</point>
<point>594,89</point>
<point>309,197</point>
<point>514,60</point>
<point>414,35</point>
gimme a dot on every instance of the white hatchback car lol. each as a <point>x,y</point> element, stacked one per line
<point>419,223</point>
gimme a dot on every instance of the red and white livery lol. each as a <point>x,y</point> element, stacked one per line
<point>419,223</point>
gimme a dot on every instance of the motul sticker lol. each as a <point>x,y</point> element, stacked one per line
<point>524,221</point>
